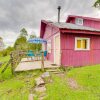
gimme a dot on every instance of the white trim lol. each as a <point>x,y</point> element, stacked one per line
<point>81,38</point>
<point>58,34</point>
<point>79,21</point>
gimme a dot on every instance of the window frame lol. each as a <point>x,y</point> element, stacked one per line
<point>77,21</point>
<point>82,38</point>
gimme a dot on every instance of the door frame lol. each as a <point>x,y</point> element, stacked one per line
<point>58,34</point>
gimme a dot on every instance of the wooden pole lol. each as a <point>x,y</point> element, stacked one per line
<point>12,63</point>
<point>42,61</point>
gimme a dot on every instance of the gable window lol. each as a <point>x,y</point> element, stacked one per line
<point>79,21</point>
<point>82,43</point>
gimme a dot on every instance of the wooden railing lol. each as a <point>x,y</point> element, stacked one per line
<point>16,57</point>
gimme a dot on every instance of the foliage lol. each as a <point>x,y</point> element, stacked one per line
<point>97,3</point>
<point>32,36</point>
<point>23,32</point>
<point>6,51</point>
<point>21,43</point>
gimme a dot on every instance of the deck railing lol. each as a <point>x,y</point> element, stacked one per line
<point>16,57</point>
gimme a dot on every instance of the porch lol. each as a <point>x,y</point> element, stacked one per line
<point>28,64</point>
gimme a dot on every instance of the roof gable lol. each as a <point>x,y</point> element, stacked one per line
<point>88,18</point>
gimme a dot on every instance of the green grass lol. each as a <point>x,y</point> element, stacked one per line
<point>88,78</point>
<point>18,87</point>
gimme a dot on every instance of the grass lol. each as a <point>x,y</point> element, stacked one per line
<point>18,87</point>
<point>88,78</point>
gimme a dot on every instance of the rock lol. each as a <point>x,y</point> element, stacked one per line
<point>45,75</point>
<point>39,81</point>
<point>40,89</point>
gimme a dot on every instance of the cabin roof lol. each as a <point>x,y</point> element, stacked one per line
<point>63,25</point>
<point>68,27</point>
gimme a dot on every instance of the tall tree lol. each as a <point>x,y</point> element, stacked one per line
<point>23,32</point>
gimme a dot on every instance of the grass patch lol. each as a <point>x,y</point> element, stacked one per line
<point>87,77</point>
<point>18,87</point>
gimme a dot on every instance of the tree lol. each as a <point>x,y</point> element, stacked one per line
<point>21,43</point>
<point>97,3</point>
<point>32,36</point>
<point>23,32</point>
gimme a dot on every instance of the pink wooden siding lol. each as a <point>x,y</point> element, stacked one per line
<point>86,22</point>
<point>70,57</point>
<point>49,35</point>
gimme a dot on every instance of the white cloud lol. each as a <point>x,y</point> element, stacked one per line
<point>16,14</point>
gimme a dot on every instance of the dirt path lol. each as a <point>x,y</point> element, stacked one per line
<point>72,83</point>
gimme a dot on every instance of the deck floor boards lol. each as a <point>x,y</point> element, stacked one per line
<point>28,64</point>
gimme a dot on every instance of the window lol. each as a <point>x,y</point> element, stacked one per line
<point>79,21</point>
<point>82,43</point>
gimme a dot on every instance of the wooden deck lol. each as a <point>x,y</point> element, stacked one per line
<point>28,64</point>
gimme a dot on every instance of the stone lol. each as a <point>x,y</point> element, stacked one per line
<point>39,81</point>
<point>40,89</point>
<point>45,75</point>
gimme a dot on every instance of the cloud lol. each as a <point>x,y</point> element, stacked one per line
<point>16,14</point>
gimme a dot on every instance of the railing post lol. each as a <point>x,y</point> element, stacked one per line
<point>42,61</point>
<point>12,63</point>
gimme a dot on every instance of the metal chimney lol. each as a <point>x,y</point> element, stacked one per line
<point>59,8</point>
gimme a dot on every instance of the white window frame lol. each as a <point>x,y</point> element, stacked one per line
<point>81,38</point>
<point>79,21</point>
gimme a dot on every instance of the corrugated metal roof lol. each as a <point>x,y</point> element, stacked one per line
<point>73,26</point>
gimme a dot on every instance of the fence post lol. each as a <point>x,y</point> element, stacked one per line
<point>12,63</point>
<point>42,61</point>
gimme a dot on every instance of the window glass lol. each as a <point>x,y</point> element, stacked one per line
<point>78,43</point>
<point>82,43</point>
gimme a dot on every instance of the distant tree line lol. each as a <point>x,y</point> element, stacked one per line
<point>21,43</point>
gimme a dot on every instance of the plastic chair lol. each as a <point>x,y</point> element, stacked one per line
<point>30,54</point>
<point>45,54</point>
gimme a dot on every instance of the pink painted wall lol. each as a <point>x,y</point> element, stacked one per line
<point>87,22</point>
<point>49,35</point>
<point>70,57</point>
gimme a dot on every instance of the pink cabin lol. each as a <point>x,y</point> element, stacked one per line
<point>75,42</point>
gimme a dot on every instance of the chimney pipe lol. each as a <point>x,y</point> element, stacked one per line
<point>59,8</point>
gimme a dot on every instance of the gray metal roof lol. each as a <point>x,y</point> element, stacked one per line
<point>74,26</point>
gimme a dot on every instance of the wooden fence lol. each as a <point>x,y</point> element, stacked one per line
<point>16,57</point>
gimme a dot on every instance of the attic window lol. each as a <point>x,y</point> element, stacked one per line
<point>79,21</point>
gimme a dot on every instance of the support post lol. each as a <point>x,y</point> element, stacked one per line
<point>42,61</point>
<point>12,64</point>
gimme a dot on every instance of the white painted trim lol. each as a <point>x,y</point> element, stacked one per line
<point>58,34</point>
<point>81,38</point>
<point>79,21</point>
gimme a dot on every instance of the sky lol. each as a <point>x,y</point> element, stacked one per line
<point>18,14</point>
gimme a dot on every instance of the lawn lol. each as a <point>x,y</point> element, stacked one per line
<point>18,87</point>
<point>88,79</point>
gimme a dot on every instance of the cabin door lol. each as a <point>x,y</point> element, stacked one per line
<point>57,49</point>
